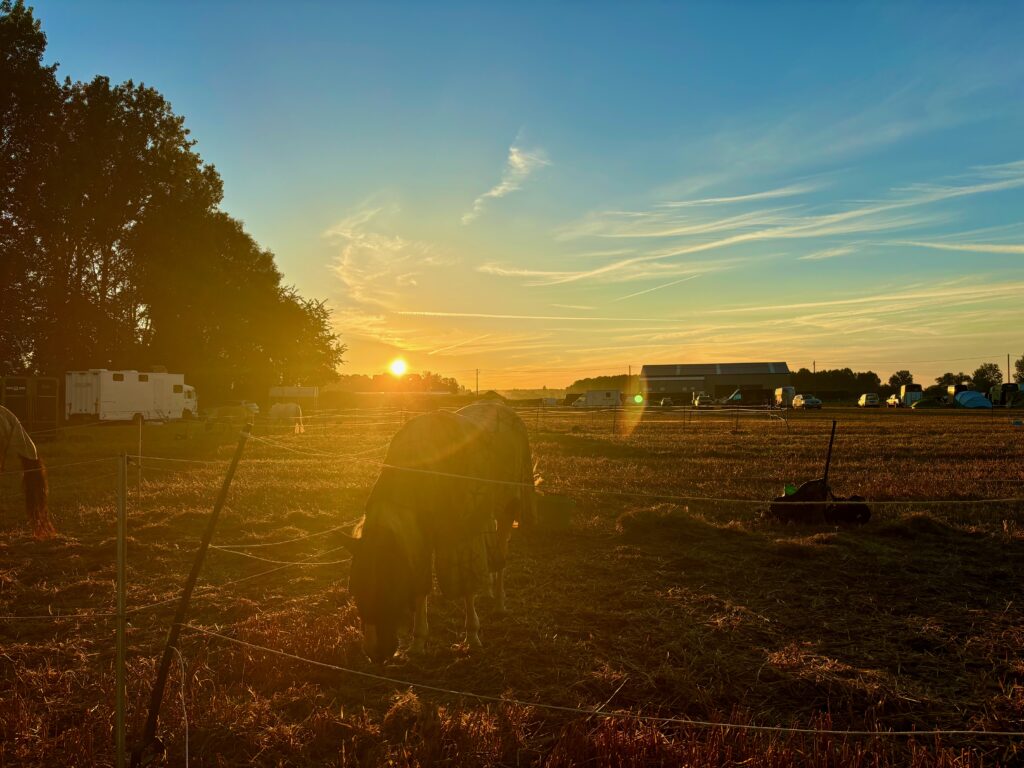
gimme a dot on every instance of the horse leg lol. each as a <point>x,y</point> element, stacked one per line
<point>419,626</point>
<point>504,534</point>
<point>472,623</point>
<point>499,591</point>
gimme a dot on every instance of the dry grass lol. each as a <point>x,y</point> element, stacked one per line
<point>693,609</point>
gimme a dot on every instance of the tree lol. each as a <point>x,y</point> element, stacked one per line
<point>30,101</point>
<point>987,376</point>
<point>949,379</point>
<point>900,378</point>
<point>115,252</point>
<point>1018,370</point>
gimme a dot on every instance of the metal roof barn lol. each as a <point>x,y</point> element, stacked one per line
<point>756,381</point>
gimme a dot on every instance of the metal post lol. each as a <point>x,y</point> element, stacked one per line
<point>140,464</point>
<point>122,558</point>
<point>149,734</point>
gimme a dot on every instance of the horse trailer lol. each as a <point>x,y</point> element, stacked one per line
<point>784,397</point>
<point>35,400</point>
<point>910,394</point>
<point>128,396</point>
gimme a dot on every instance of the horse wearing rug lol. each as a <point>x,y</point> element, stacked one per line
<point>289,414</point>
<point>446,499</point>
<point>15,440</point>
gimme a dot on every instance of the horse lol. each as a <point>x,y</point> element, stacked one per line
<point>14,439</point>
<point>289,414</point>
<point>450,490</point>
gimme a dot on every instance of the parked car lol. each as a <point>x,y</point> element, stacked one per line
<point>806,402</point>
<point>868,400</point>
<point>666,402</point>
<point>894,402</point>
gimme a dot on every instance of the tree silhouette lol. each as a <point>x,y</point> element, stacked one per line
<point>116,253</point>
<point>900,378</point>
<point>987,376</point>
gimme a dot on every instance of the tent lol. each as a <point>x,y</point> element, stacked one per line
<point>972,399</point>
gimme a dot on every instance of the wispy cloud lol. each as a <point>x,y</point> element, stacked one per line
<point>768,194</point>
<point>687,238</point>
<point>519,166</point>
<point>1012,248</point>
<point>828,253</point>
<point>496,316</point>
<point>656,288</point>
<point>458,344</point>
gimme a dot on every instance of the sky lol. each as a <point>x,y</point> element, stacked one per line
<point>545,191</point>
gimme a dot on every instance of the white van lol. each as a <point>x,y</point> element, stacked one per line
<point>868,400</point>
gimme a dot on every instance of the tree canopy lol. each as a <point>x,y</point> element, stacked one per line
<point>899,378</point>
<point>115,252</point>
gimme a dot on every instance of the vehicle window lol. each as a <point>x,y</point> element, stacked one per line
<point>118,377</point>
<point>178,389</point>
<point>143,377</point>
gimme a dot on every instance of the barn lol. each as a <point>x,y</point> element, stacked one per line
<point>756,381</point>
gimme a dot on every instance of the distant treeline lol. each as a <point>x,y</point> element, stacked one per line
<point>114,250</point>
<point>410,382</point>
<point>623,383</point>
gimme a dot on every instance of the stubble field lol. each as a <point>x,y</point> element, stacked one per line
<point>667,597</point>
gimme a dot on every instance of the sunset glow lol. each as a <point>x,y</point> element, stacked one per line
<point>398,367</point>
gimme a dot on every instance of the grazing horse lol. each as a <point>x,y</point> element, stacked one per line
<point>289,414</point>
<point>14,439</point>
<point>450,489</point>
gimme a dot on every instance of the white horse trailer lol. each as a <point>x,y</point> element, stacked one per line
<point>784,397</point>
<point>128,396</point>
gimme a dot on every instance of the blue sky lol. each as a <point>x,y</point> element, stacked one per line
<point>549,190</point>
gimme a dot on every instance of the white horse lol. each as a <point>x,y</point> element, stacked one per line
<point>15,440</point>
<point>288,413</point>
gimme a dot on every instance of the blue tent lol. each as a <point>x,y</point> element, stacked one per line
<point>971,399</point>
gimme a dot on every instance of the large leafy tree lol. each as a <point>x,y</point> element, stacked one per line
<point>987,376</point>
<point>115,252</point>
<point>949,378</point>
<point>899,378</point>
<point>30,103</point>
<point>1018,370</point>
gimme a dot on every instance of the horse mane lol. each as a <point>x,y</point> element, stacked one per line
<point>34,482</point>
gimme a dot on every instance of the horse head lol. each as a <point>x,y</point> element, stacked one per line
<point>381,583</point>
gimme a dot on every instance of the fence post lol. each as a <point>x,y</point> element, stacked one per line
<point>122,558</point>
<point>140,463</point>
<point>149,734</point>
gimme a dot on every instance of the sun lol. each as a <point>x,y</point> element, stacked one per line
<point>398,367</point>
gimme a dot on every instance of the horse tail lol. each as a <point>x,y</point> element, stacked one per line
<point>36,489</point>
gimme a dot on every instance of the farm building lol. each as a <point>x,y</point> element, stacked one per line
<point>757,382</point>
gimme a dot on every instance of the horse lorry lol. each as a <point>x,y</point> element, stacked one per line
<point>103,395</point>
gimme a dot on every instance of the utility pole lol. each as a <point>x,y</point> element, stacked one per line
<point>814,366</point>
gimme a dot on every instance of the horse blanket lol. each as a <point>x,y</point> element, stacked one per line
<point>14,440</point>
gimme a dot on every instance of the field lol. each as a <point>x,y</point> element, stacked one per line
<point>668,596</point>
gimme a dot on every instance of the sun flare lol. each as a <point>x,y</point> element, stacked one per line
<point>398,367</point>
